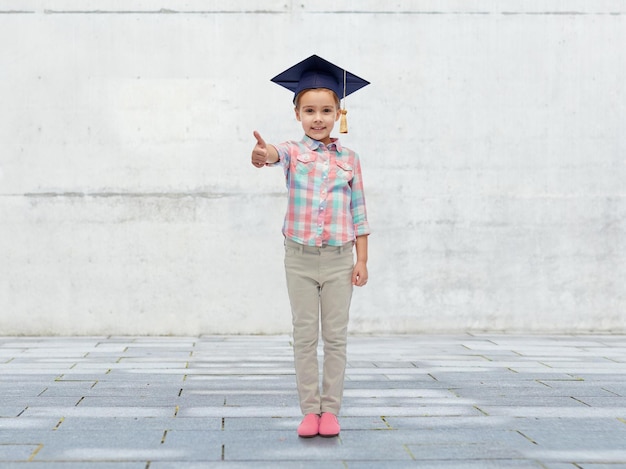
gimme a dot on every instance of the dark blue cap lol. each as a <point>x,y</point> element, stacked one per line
<point>316,72</point>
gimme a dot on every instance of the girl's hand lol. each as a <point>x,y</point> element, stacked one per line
<point>259,152</point>
<point>359,274</point>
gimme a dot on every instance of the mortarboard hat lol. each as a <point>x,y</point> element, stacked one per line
<point>316,72</point>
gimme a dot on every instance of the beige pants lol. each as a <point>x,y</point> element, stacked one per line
<point>319,282</point>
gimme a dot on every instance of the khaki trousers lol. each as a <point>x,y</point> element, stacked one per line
<point>319,282</point>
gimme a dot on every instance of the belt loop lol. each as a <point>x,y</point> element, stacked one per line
<point>301,248</point>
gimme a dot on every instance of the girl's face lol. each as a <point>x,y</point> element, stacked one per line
<point>318,111</point>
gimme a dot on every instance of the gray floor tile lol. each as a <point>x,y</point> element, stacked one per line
<point>437,402</point>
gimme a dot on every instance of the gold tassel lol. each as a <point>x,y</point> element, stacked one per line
<point>343,124</point>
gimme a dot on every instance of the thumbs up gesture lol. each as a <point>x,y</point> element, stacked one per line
<point>259,152</point>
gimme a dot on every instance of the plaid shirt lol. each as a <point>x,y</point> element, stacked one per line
<point>326,200</point>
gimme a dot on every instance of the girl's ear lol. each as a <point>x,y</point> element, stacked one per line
<point>297,111</point>
<point>338,115</point>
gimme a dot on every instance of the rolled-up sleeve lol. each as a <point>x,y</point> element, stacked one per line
<point>357,205</point>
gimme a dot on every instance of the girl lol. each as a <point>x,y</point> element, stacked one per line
<point>326,218</point>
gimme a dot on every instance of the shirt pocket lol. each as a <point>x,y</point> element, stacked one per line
<point>344,170</point>
<point>305,163</point>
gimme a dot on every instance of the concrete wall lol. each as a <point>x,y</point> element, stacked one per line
<point>492,139</point>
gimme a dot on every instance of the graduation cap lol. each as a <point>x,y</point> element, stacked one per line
<point>316,72</point>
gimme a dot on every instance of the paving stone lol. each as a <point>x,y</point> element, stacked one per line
<point>384,382</point>
<point>414,410</point>
<point>18,423</point>
<point>142,376</point>
<point>535,401</point>
<point>24,379</point>
<point>129,425</point>
<point>221,411</point>
<point>448,464</point>
<point>580,388</point>
<point>247,400</point>
<point>11,390</point>
<point>493,451</point>
<point>39,401</point>
<point>99,411</point>
<point>11,411</point>
<point>481,401</point>
<point>593,401</point>
<point>104,446</point>
<point>17,451</point>
<point>530,390</point>
<point>25,435</point>
<point>601,466</point>
<point>281,446</point>
<point>132,388</point>
<point>476,423</point>
<point>255,424</point>
<point>556,434</point>
<point>66,388</point>
<point>74,465</point>
<point>136,401</point>
<point>581,412</point>
<point>563,466</point>
<point>253,464</point>
<point>611,457</point>
<point>90,454</point>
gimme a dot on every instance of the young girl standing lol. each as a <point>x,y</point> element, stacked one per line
<point>326,218</point>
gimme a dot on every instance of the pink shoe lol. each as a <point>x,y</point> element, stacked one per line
<point>309,427</point>
<point>329,425</point>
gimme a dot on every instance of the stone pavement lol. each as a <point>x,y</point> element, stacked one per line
<point>453,401</point>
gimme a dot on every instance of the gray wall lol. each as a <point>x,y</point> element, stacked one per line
<point>492,140</point>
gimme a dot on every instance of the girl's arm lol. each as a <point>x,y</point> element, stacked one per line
<point>359,273</point>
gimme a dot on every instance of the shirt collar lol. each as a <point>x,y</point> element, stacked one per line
<point>315,144</point>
